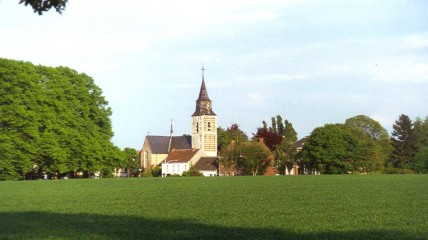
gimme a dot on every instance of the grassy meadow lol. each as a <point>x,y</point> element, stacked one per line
<point>282,207</point>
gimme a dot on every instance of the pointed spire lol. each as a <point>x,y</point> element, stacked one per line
<point>203,93</point>
<point>170,138</point>
<point>203,103</point>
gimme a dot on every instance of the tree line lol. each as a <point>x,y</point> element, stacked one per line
<point>359,145</point>
<point>54,121</point>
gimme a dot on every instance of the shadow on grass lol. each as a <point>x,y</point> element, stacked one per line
<point>42,225</point>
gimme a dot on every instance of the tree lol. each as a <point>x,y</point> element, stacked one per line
<point>254,159</point>
<point>421,161</point>
<point>285,153</point>
<point>270,138</point>
<point>229,142</point>
<point>41,6</point>
<point>368,125</point>
<point>404,142</point>
<point>130,156</point>
<point>374,144</point>
<point>330,149</point>
<point>274,129</point>
<point>280,125</point>
<point>53,121</point>
<point>420,130</point>
<point>274,135</point>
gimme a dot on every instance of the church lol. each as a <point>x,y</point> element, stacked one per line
<point>176,154</point>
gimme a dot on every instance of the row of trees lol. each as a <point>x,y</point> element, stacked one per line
<point>54,121</point>
<point>362,145</point>
<point>359,145</point>
<point>270,145</point>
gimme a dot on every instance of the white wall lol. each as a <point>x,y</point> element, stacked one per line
<point>174,168</point>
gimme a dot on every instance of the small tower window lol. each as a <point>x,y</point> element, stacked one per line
<point>209,126</point>
<point>197,127</point>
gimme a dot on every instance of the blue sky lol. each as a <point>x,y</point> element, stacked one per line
<point>313,62</point>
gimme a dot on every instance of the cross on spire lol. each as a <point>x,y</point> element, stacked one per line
<point>203,70</point>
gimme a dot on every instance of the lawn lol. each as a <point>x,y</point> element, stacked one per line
<point>282,207</point>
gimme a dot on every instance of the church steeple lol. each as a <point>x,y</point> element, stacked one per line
<point>204,123</point>
<point>203,103</point>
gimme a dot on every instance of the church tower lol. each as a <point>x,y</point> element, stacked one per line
<point>204,124</point>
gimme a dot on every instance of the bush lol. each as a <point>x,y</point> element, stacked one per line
<point>146,174</point>
<point>192,172</point>
<point>156,172</point>
<point>393,170</point>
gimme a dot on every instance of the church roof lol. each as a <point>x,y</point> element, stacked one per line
<point>207,164</point>
<point>181,155</point>
<point>159,144</point>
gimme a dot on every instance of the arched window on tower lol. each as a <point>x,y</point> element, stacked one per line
<point>209,127</point>
<point>197,127</point>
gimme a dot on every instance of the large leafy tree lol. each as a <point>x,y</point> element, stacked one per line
<point>41,6</point>
<point>374,144</point>
<point>53,120</point>
<point>229,143</point>
<point>330,149</point>
<point>253,159</point>
<point>404,142</point>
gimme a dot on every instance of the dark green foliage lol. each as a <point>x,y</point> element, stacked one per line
<point>253,159</point>
<point>404,142</point>
<point>330,149</point>
<point>421,161</point>
<point>374,144</point>
<point>274,129</point>
<point>192,172</point>
<point>156,171</point>
<point>420,131</point>
<point>52,120</point>
<point>229,142</point>
<point>280,124</point>
<point>130,163</point>
<point>41,6</point>
<point>285,153</point>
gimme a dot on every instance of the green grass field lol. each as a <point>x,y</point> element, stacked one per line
<point>283,207</point>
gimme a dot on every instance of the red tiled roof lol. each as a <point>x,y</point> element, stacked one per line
<point>181,155</point>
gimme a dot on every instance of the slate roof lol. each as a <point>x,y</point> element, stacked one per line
<point>203,98</point>
<point>159,144</point>
<point>181,155</point>
<point>203,93</point>
<point>207,164</point>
